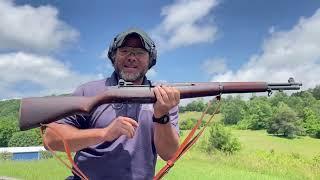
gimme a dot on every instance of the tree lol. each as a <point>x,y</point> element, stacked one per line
<point>318,134</point>
<point>9,108</point>
<point>297,104</point>
<point>233,110</point>
<point>316,92</point>
<point>307,98</point>
<point>258,114</point>
<point>222,140</point>
<point>310,121</point>
<point>284,122</point>
<point>182,109</point>
<point>187,124</point>
<point>197,105</point>
<point>8,126</point>
<point>25,138</point>
<point>213,107</point>
<point>278,97</point>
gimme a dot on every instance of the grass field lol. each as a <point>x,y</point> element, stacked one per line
<point>262,157</point>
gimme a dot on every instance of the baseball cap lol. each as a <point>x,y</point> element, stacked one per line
<point>147,43</point>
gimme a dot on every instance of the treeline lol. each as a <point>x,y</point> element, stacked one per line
<point>10,135</point>
<point>284,115</point>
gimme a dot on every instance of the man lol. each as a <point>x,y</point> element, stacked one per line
<point>121,141</point>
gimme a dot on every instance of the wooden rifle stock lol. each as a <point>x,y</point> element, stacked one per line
<point>35,111</point>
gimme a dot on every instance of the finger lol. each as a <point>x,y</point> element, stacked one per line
<point>132,125</point>
<point>176,95</point>
<point>158,94</point>
<point>131,121</point>
<point>126,132</point>
<point>170,93</point>
<point>118,119</point>
<point>164,94</point>
<point>129,128</point>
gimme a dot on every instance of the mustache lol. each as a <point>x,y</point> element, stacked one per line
<point>130,64</point>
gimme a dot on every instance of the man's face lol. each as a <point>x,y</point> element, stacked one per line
<point>131,60</point>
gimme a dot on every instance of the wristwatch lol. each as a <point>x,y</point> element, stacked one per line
<point>162,120</point>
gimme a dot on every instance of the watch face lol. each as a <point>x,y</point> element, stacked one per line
<point>166,119</point>
<point>163,120</point>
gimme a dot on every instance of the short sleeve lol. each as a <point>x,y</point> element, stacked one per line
<point>174,118</point>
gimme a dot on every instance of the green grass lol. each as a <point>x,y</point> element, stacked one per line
<point>260,140</point>
<point>42,169</point>
<point>262,157</point>
<point>198,167</point>
<point>194,165</point>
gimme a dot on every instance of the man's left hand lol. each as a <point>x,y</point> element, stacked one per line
<point>167,98</point>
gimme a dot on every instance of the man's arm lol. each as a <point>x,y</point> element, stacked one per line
<point>79,139</point>
<point>166,138</point>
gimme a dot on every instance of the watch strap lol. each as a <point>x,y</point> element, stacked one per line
<point>162,120</point>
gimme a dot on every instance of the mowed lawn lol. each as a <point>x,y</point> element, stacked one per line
<point>260,140</point>
<point>262,157</point>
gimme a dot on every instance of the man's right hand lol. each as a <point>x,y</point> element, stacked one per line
<point>119,126</point>
<point>82,138</point>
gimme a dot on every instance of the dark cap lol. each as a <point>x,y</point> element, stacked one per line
<point>146,41</point>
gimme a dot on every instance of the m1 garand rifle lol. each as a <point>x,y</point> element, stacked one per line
<point>35,111</point>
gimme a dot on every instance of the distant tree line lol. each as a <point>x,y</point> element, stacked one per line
<point>10,135</point>
<point>284,115</point>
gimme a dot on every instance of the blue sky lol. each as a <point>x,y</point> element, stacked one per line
<point>51,47</point>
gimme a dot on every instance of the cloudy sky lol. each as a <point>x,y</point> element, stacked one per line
<point>51,47</point>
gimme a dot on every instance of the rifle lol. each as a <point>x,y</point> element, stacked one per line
<point>35,111</point>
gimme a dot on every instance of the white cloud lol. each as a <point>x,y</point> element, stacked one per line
<point>32,28</point>
<point>105,68</point>
<point>48,74</point>
<point>104,54</point>
<point>185,22</point>
<point>151,73</point>
<point>213,66</point>
<point>292,53</point>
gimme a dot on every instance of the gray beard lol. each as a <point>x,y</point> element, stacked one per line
<point>131,77</point>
